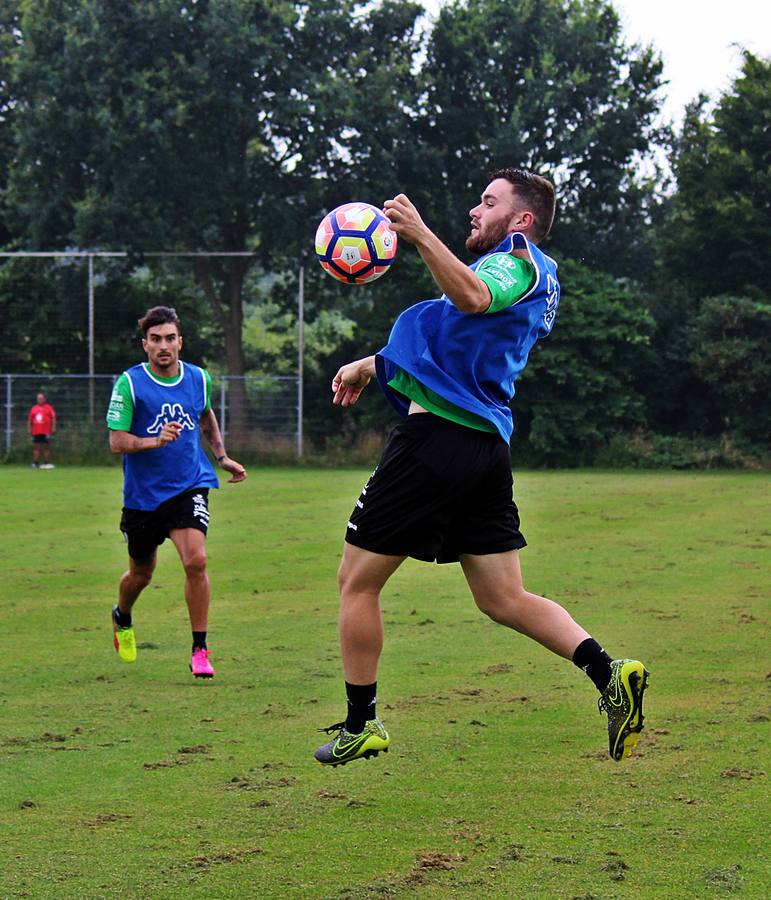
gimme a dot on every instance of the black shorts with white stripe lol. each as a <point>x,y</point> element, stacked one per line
<point>440,490</point>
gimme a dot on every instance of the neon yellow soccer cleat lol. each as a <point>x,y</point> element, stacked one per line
<point>124,640</point>
<point>345,746</point>
<point>622,700</point>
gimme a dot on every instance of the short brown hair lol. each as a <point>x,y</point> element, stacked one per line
<point>536,192</point>
<point>159,315</point>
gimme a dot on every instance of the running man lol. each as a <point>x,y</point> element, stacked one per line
<point>443,488</point>
<point>156,411</point>
<point>41,422</point>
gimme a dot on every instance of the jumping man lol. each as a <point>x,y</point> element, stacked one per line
<point>443,488</point>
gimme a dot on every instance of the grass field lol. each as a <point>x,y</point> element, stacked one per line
<point>138,782</point>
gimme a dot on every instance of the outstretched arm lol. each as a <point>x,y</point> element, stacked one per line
<point>351,380</point>
<point>467,292</point>
<point>211,431</point>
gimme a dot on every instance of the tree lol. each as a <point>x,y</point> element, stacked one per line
<point>711,298</point>
<point>730,341</point>
<point>9,42</point>
<point>717,238</point>
<point>194,126</point>
<point>550,85</point>
<point>236,124</point>
<point>580,386</point>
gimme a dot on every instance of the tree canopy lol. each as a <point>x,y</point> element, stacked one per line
<point>234,125</point>
<point>718,234</point>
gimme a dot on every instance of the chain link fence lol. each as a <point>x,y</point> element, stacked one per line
<point>256,414</point>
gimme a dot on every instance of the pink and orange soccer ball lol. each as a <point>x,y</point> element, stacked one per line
<point>355,244</point>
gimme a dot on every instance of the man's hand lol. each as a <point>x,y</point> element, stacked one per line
<point>458,283</point>
<point>235,468</point>
<point>169,433</point>
<point>405,219</point>
<point>351,380</point>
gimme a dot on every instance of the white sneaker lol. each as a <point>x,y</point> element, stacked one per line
<point>47,466</point>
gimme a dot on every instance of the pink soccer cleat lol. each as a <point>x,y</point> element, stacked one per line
<point>200,665</point>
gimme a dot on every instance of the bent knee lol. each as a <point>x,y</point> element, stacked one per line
<point>351,581</point>
<point>491,610</point>
<point>347,581</point>
<point>500,607</point>
<point>141,577</point>
<point>195,565</point>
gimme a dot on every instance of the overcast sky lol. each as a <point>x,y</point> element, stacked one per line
<point>695,39</point>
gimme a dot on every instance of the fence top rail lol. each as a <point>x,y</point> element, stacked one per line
<point>215,378</point>
<point>56,375</point>
<point>119,253</point>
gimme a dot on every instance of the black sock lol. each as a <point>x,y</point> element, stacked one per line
<point>590,657</point>
<point>199,640</point>
<point>362,705</point>
<point>122,620</point>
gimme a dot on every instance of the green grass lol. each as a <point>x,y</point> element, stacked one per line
<point>137,781</point>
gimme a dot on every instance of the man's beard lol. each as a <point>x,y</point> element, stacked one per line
<point>480,243</point>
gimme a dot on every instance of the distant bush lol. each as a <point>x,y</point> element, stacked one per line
<point>643,450</point>
<point>637,450</point>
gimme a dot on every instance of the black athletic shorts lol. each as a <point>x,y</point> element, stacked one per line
<point>439,490</point>
<point>145,530</point>
<point>41,439</point>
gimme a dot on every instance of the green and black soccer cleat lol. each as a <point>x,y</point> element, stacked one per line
<point>123,639</point>
<point>345,746</point>
<point>622,700</point>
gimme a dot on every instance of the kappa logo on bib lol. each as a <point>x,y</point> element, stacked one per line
<point>171,412</point>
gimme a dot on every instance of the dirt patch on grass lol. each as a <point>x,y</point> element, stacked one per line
<point>247,783</point>
<point>166,764</point>
<point>615,868</point>
<point>432,859</point>
<point>46,738</point>
<point>103,819</point>
<point>227,857</point>
<point>181,759</point>
<point>497,669</point>
<point>744,774</point>
<point>726,879</point>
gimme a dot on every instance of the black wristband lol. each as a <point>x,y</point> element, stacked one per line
<point>220,458</point>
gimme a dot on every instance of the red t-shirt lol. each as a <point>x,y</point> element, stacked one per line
<point>42,418</point>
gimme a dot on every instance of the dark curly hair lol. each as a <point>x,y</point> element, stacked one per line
<point>159,315</point>
<point>536,192</point>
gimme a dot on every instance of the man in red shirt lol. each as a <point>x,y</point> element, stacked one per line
<point>42,424</point>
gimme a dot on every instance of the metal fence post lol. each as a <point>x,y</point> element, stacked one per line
<point>8,407</point>
<point>223,422</point>
<point>91,336</point>
<point>300,355</point>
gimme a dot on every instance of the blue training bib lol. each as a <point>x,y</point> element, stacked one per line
<point>473,360</point>
<point>154,476</point>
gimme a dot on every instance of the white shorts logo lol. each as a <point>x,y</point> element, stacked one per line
<point>199,509</point>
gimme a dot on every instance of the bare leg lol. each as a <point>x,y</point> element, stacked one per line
<point>191,546</point>
<point>361,577</point>
<point>133,582</point>
<point>496,584</point>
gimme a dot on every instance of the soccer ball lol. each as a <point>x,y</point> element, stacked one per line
<point>355,244</point>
